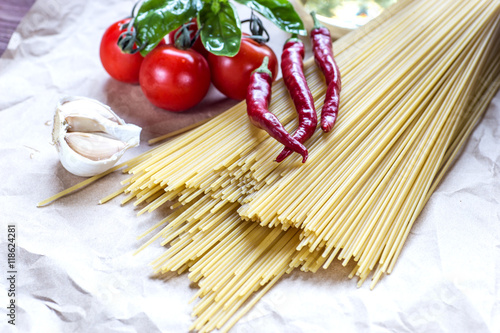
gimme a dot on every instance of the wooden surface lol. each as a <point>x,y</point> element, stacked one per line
<point>11,12</point>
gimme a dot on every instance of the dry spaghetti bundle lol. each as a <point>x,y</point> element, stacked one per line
<point>416,81</point>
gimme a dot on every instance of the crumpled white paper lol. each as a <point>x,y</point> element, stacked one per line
<point>76,271</point>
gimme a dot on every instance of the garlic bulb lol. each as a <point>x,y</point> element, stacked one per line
<point>89,136</point>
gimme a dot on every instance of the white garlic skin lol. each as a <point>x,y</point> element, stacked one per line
<point>90,116</point>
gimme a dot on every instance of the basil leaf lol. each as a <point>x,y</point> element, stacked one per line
<point>156,18</point>
<point>280,12</point>
<point>220,28</point>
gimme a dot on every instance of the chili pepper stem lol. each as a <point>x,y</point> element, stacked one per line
<point>264,67</point>
<point>294,38</point>
<point>317,23</point>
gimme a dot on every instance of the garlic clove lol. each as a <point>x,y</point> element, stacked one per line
<point>92,146</point>
<point>83,124</point>
<point>82,166</point>
<point>89,136</point>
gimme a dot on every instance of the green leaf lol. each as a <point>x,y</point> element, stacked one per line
<point>280,12</point>
<point>156,18</point>
<point>221,31</point>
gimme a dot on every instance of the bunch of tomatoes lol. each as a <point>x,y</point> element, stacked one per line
<point>177,78</point>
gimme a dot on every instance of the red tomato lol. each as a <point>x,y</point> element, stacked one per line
<point>121,66</point>
<point>174,79</point>
<point>197,46</point>
<point>231,75</point>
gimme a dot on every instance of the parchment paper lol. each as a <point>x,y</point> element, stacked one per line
<point>76,272</point>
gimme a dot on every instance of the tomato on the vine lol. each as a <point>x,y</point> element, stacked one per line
<point>121,66</point>
<point>174,79</point>
<point>231,75</point>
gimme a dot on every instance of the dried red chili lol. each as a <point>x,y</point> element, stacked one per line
<point>292,69</point>
<point>323,55</point>
<point>258,100</point>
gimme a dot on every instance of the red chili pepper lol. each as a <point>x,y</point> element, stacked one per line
<point>323,55</point>
<point>258,100</point>
<point>292,68</point>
